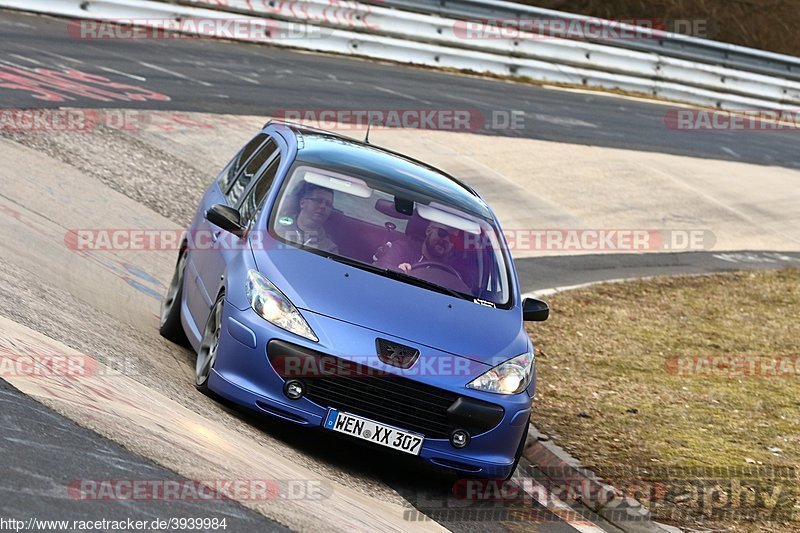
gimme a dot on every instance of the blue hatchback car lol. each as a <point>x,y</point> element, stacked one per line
<point>345,287</point>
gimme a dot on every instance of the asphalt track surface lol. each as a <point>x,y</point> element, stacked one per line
<point>226,77</point>
<point>44,451</point>
<point>40,446</point>
<point>541,273</point>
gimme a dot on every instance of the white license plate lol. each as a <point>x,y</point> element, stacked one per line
<point>368,430</point>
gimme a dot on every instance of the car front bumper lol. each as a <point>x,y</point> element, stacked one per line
<point>244,374</point>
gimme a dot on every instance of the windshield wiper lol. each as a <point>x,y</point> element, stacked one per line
<point>401,276</point>
<point>357,264</point>
<point>419,282</point>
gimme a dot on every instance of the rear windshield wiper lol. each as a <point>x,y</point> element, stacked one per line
<point>401,276</point>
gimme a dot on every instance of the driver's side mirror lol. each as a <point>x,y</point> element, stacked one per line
<point>226,218</point>
<point>534,310</point>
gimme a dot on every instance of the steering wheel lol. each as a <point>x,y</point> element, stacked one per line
<point>440,266</point>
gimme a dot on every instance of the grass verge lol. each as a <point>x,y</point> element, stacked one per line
<point>691,384</point>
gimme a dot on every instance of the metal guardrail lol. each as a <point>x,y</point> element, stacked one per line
<point>672,44</point>
<point>358,29</point>
<point>588,59</point>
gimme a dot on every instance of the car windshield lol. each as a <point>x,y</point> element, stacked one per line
<point>404,235</point>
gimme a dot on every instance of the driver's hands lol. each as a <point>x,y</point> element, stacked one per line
<point>405,267</point>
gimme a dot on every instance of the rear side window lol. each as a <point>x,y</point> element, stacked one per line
<point>250,170</point>
<point>259,191</point>
<point>229,174</point>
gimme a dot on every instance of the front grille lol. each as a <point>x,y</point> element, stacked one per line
<point>393,400</point>
<point>390,399</point>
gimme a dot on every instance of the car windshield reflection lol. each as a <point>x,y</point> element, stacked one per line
<point>421,238</point>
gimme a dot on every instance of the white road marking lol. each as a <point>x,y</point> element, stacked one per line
<point>563,121</point>
<point>52,54</point>
<point>29,60</point>
<point>402,95</point>
<point>14,24</point>
<point>746,257</point>
<point>326,79</point>
<point>188,62</point>
<point>730,257</point>
<point>234,75</point>
<point>553,290</point>
<point>470,100</point>
<point>730,152</point>
<point>173,73</point>
<point>334,79</point>
<point>131,76</point>
<point>23,67</point>
<point>12,64</point>
<point>605,133</point>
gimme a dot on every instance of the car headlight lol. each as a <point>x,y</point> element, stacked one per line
<point>510,377</point>
<point>271,304</point>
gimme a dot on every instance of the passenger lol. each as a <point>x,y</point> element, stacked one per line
<point>436,248</point>
<point>307,226</point>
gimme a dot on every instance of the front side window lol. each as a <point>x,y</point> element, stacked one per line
<point>410,237</point>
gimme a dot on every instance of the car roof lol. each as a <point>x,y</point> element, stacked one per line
<point>354,157</point>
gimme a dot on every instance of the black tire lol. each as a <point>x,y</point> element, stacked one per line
<point>170,326</point>
<point>209,345</point>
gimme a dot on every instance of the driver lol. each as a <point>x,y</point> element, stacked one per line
<point>436,248</point>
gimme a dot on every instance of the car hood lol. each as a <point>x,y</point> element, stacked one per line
<point>321,285</point>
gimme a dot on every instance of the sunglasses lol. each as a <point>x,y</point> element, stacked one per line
<point>443,233</point>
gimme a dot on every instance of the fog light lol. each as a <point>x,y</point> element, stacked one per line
<point>294,389</point>
<point>459,438</point>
